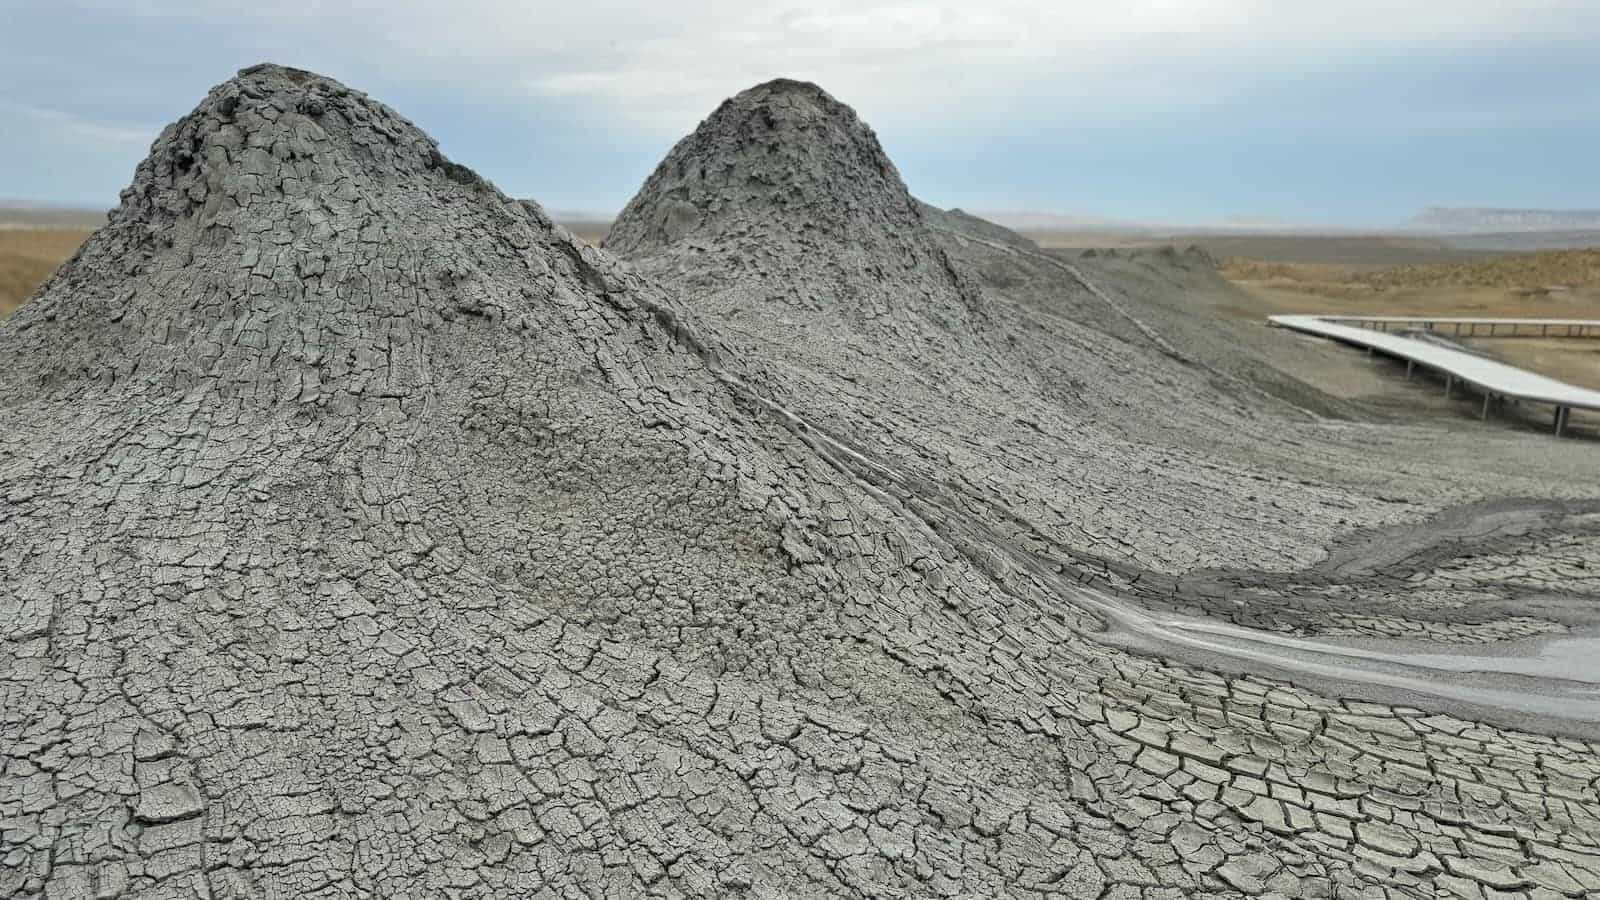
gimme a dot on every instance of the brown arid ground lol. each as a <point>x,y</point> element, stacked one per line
<point>28,256</point>
<point>1558,284</point>
<point>1554,275</point>
<point>590,231</point>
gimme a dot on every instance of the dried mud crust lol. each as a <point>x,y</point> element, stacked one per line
<point>364,535</point>
<point>1119,452</point>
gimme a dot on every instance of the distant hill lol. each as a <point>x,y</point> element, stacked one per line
<point>1028,220</point>
<point>23,214</point>
<point>1484,219</point>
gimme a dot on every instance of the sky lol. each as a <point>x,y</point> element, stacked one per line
<point>1349,113</point>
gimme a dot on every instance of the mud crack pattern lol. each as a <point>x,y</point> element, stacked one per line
<point>364,535</point>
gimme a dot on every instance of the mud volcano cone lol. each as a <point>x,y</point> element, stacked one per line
<point>786,194</point>
<point>293,242</point>
<point>342,501</point>
<point>361,534</point>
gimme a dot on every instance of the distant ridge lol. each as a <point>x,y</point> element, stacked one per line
<point>1489,219</point>
<point>29,214</point>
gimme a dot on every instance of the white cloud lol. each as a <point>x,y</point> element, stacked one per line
<point>661,66</point>
<point>81,128</point>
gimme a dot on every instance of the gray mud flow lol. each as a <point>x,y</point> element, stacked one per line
<point>1549,684</point>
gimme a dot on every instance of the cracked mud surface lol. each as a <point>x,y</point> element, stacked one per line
<point>363,534</point>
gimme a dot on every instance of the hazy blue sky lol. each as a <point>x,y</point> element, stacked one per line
<point>1347,112</point>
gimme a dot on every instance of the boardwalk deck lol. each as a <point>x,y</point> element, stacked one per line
<point>1489,377</point>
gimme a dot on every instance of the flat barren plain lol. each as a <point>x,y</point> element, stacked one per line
<point>28,256</point>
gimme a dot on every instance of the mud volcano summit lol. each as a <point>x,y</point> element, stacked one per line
<point>784,187</point>
<point>363,534</point>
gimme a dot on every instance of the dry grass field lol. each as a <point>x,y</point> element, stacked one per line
<point>28,256</point>
<point>1522,275</point>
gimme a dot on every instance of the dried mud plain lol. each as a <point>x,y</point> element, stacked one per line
<point>365,533</point>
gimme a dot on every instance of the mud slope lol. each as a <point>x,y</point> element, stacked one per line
<point>1082,405</point>
<point>363,535</point>
<point>780,219</point>
<point>1094,422</point>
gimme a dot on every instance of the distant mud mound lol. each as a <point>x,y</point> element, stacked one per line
<point>960,222</point>
<point>784,190</point>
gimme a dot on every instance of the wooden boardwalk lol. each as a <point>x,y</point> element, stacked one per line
<point>1489,377</point>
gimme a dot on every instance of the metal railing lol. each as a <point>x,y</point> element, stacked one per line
<point>1464,326</point>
